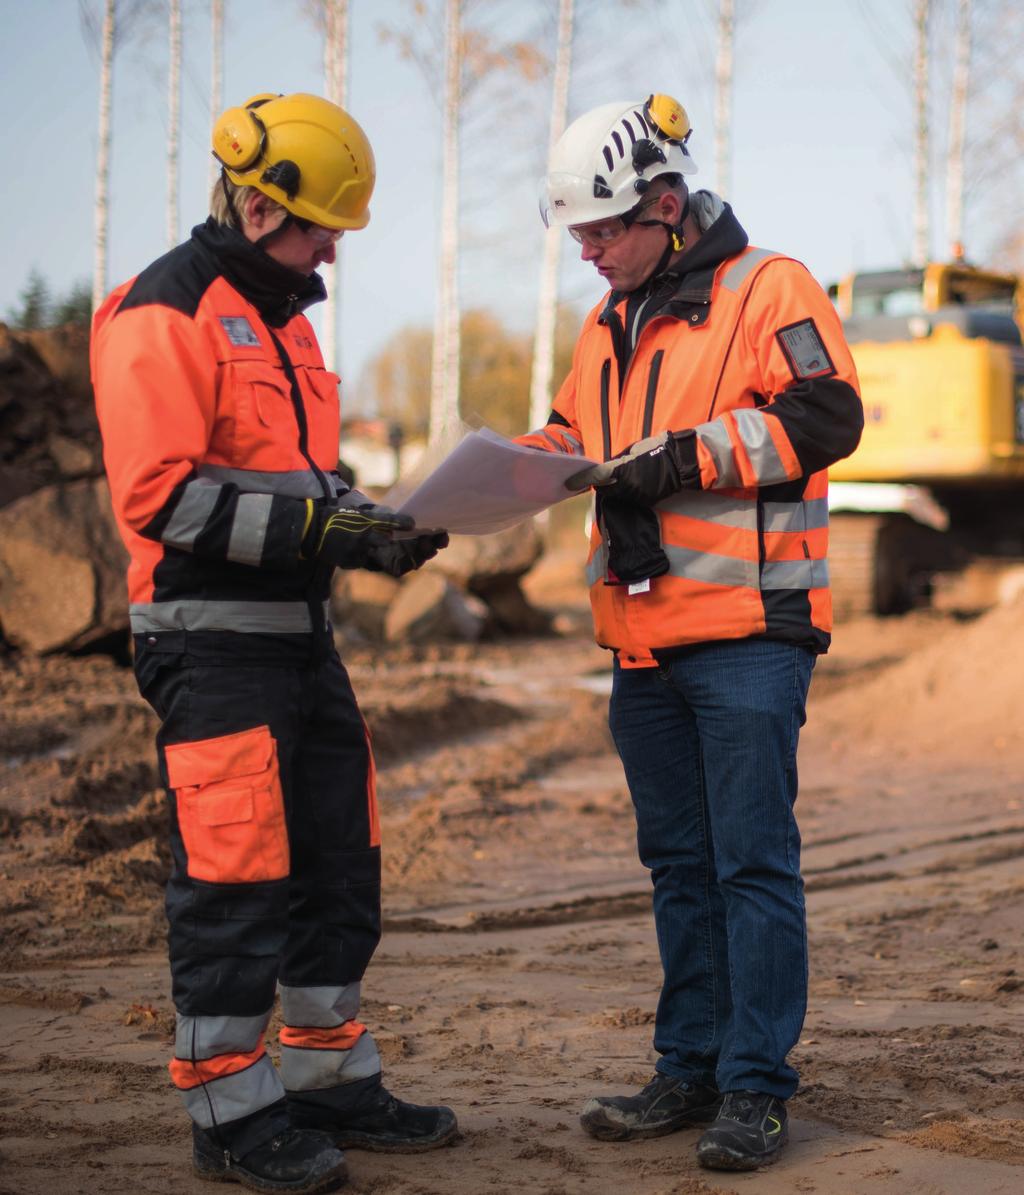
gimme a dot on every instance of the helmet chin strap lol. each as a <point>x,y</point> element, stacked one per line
<point>274,233</point>
<point>676,238</point>
<point>268,237</point>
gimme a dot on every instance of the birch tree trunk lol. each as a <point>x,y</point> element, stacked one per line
<point>173,119</point>
<point>921,145</point>
<point>444,388</point>
<point>101,215</point>
<point>335,84</point>
<point>723,96</point>
<point>547,298</point>
<point>957,131</point>
<point>216,75</point>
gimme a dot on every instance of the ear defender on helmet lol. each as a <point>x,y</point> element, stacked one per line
<point>239,136</point>
<point>667,117</point>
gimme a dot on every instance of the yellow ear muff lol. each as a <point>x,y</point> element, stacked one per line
<point>238,138</point>
<point>668,116</point>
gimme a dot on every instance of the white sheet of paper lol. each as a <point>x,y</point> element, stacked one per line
<point>488,483</point>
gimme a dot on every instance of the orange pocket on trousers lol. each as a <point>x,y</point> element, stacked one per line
<point>231,807</point>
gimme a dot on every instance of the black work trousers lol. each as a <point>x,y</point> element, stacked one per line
<point>275,875</point>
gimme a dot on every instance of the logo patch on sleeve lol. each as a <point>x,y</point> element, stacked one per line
<point>805,351</point>
<point>240,331</point>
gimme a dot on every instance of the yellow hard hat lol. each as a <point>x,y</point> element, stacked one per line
<point>302,151</point>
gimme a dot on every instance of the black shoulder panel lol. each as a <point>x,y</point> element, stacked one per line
<point>179,279</point>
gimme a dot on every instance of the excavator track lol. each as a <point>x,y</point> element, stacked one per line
<point>883,563</point>
<point>852,550</point>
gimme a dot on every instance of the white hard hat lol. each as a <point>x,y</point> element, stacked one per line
<point>606,159</point>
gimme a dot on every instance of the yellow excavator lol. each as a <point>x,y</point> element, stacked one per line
<point>935,490</point>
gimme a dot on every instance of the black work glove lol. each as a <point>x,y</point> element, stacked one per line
<point>648,471</point>
<point>401,556</point>
<point>348,536</point>
<point>632,534</point>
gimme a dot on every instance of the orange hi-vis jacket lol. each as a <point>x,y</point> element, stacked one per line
<point>218,426</point>
<point>757,365</point>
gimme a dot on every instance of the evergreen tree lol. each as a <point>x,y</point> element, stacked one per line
<point>75,307</point>
<point>34,311</point>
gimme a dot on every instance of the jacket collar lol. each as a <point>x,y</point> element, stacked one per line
<point>276,292</point>
<point>690,278</point>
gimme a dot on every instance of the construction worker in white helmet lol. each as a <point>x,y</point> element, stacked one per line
<point>714,385</point>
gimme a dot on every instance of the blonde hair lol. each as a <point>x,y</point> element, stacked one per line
<point>228,200</point>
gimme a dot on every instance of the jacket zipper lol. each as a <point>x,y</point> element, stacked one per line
<point>316,616</point>
<point>300,416</point>
<point>606,426</point>
<point>652,389</point>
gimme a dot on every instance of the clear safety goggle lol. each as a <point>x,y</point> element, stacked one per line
<point>316,232</point>
<point>602,233</point>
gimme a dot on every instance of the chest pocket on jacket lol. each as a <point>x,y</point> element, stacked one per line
<point>323,414</point>
<point>256,426</point>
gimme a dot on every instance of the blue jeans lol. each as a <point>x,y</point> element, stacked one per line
<point>708,742</point>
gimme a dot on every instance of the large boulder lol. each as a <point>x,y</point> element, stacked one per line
<point>360,601</point>
<point>429,607</point>
<point>62,569</point>
<point>471,559</point>
<point>491,568</point>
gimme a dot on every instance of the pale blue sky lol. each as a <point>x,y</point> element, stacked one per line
<point>821,155</point>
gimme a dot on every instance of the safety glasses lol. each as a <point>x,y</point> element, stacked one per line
<point>316,232</point>
<point>602,233</point>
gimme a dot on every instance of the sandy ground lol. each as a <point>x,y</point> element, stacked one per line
<point>518,972</point>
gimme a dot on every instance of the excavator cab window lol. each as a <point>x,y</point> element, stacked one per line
<point>888,292</point>
<point>976,289</point>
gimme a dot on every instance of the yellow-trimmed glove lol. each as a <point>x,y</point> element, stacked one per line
<point>399,557</point>
<point>349,536</point>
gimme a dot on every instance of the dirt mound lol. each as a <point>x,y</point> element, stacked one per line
<point>85,814</point>
<point>962,692</point>
<point>425,713</point>
<point>1000,1140</point>
<point>48,428</point>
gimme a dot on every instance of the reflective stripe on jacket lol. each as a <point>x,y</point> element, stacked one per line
<point>763,374</point>
<point>216,430</point>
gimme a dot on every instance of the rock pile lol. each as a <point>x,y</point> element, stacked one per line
<point>470,590</point>
<point>62,563</point>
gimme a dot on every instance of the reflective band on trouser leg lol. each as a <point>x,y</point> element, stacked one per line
<point>228,1087</point>
<point>322,1045</point>
<point>323,1058</point>
<point>202,1038</point>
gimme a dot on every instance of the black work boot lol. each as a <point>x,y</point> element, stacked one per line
<point>749,1132</point>
<point>298,1160</point>
<point>375,1119</point>
<point>664,1105</point>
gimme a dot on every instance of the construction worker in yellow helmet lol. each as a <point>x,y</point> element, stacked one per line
<point>221,426</point>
